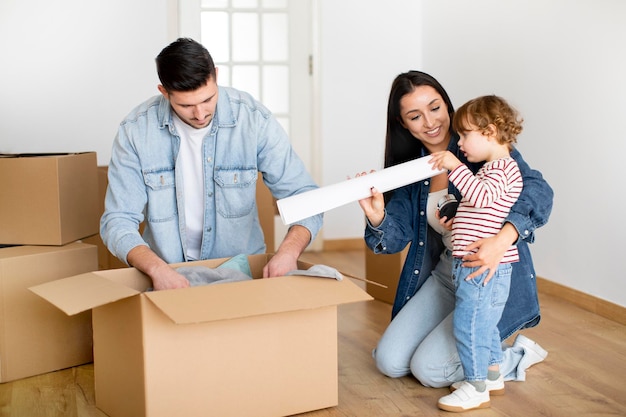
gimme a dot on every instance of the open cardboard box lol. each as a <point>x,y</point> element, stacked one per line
<point>263,347</point>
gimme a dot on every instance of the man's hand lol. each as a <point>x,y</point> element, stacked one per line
<point>286,257</point>
<point>280,264</point>
<point>163,276</point>
<point>168,279</point>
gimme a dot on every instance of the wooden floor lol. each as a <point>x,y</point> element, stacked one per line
<point>583,375</point>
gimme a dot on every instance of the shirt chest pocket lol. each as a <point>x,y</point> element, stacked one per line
<point>161,188</point>
<point>235,191</point>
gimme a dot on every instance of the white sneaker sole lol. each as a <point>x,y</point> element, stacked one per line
<point>458,409</point>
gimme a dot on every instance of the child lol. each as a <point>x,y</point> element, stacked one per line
<point>488,127</point>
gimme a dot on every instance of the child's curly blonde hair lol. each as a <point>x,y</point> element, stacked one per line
<point>479,113</point>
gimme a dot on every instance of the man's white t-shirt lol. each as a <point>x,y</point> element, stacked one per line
<point>189,161</point>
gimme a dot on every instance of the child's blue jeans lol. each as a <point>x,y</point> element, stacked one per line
<point>478,308</point>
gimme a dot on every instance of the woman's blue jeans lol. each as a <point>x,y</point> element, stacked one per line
<point>420,339</point>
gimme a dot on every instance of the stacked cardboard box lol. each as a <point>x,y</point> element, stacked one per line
<point>48,199</point>
<point>106,260</point>
<point>35,338</point>
<point>47,203</point>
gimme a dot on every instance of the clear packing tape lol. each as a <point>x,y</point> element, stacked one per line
<point>300,206</point>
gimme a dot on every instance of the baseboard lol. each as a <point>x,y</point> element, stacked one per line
<point>585,301</point>
<point>344,244</point>
<point>580,299</point>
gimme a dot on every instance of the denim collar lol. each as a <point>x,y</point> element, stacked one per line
<point>223,117</point>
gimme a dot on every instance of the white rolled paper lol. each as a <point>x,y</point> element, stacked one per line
<point>320,200</point>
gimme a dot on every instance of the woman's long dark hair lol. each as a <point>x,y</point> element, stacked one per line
<point>400,145</point>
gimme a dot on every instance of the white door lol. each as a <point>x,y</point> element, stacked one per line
<point>264,47</point>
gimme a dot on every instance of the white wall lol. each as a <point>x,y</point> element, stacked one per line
<point>70,70</point>
<point>362,48</point>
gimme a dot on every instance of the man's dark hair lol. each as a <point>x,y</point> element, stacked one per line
<point>184,65</point>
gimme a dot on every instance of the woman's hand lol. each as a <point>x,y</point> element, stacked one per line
<point>490,252</point>
<point>360,174</point>
<point>374,207</point>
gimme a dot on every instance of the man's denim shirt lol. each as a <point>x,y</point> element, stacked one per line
<point>405,223</point>
<point>145,185</point>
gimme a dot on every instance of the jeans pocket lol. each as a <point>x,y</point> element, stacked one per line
<point>501,282</point>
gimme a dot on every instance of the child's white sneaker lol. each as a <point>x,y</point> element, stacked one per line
<point>495,387</point>
<point>464,398</point>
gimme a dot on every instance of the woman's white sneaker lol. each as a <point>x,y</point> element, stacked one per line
<point>533,354</point>
<point>464,398</point>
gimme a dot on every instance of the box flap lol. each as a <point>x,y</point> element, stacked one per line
<point>255,297</point>
<point>80,293</point>
<point>40,155</point>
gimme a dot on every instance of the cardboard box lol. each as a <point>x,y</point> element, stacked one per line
<point>106,260</point>
<point>48,199</point>
<point>35,337</point>
<point>264,347</point>
<point>384,269</point>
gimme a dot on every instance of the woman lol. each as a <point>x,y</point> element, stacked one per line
<point>419,338</point>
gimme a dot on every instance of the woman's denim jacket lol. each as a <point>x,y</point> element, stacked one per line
<point>145,181</point>
<point>405,222</point>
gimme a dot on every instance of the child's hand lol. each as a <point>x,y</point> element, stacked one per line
<point>444,160</point>
<point>444,221</point>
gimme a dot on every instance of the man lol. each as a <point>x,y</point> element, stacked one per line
<point>185,163</point>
